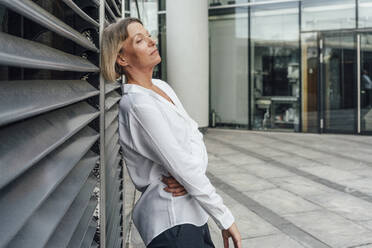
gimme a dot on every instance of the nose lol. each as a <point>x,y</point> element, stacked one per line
<point>151,42</point>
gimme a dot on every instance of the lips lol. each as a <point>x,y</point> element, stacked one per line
<point>154,51</point>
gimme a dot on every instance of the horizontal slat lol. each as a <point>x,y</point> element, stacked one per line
<point>113,185</point>
<point>117,237</point>
<point>88,238</point>
<point>111,99</point>
<point>112,191</point>
<point>21,99</point>
<point>111,115</point>
<point>111,86</point>
<point>38,136</point>
<point>112,149</point>
<point>40,226</point>
<point>109,10</point>
<point>112,153</point>
<point>15,51</point>
<point>82,228</point>
<point>80,12</point>
<point>24,195</point>
<point>119,242</point>
<point>113,3</point>
<point>96,2</point>
<point>110,131</point>
<point>112,180</point>
<point>94,244</point>
<point>39,15</point>
<point>112,208</point>
<point>113,233</point>
<point>63,233</point>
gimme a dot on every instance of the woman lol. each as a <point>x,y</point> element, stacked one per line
<point>162,147</point>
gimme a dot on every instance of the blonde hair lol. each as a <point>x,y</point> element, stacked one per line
<point>113,37</point>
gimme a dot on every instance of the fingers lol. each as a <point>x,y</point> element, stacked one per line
<point>169,180</point>
<point>176,191</point>
<point>238,244</point>
<point>173,186</point>
<point>171,183</point>
<point>225,242</point>
<point>183,192</point>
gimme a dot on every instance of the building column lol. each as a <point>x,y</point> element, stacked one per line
<point>188,55</point>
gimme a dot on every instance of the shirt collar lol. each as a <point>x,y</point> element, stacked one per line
<point>135,88</point>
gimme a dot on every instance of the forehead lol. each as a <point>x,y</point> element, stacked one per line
<point>135,28</point>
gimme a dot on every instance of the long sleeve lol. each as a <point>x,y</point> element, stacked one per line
<point>152,137</point>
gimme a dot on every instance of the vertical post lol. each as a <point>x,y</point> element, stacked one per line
<point>123,170</point>
<point>102,202</point>
<point>188,68</point>
<point>123,9</point>
<point>358,83</point>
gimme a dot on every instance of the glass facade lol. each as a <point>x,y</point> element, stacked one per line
<point>300,66</point>
<point>339,82</point>
<point>275,66</point>
<point>162,45</point>
<point>214,3</point>
<point>366,82</point>
<point>310,83</point>
<point>365,13</point>
<point>228,31</point>
<point>328,15</point>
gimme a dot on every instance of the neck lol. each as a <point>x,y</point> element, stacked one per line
<point>141,77</point>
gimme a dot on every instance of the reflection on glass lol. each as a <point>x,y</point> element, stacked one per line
<point>339,83</point>
<point>275,66</point>
<point>162,5</point>
<point>365,13</point>
<point>326,14</point>
<point>229,67</point>
<point>127,5</point>
<point>366,82</point>
<point>225,2</point>
<point>148,11</point>
<point>162,45</point>
<point>309,82</point>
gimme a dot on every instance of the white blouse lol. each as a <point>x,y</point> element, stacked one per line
<point>158,137</point>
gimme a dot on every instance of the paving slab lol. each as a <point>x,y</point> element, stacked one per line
<point>281,201</point>
<point>330,173</point>
<point>271,241</point>
<point>346,205</point>
<point>331,228</point>
<point>265,170</point>
<point>244,182</point>
<point>363,185</point>
<point>249,224</point>
<point>301,186</point>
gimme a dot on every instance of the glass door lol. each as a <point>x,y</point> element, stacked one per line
<point>338,83</point>
<point>365,89</point>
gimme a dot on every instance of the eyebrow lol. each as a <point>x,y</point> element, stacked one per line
<point>140,34</point>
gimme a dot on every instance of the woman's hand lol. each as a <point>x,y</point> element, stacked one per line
<point>235,234</point>
<point>173,186</point>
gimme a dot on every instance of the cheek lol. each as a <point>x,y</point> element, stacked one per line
<point>141,53</point>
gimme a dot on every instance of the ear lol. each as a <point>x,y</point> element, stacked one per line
<point>121,60</point>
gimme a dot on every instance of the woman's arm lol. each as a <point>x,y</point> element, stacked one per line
<point>152,137</point>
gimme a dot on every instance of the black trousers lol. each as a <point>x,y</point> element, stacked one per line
<point>183,236</point>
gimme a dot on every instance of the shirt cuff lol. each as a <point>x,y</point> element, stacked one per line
<point>226,220</point>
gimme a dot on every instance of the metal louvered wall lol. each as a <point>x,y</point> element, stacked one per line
<point>60,160</point>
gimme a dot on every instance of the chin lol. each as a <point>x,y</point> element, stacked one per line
<point>158,60</point>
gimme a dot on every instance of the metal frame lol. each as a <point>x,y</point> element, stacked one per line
<point>102,203</point>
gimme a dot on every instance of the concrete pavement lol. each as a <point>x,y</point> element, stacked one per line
<point>291,189</point>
